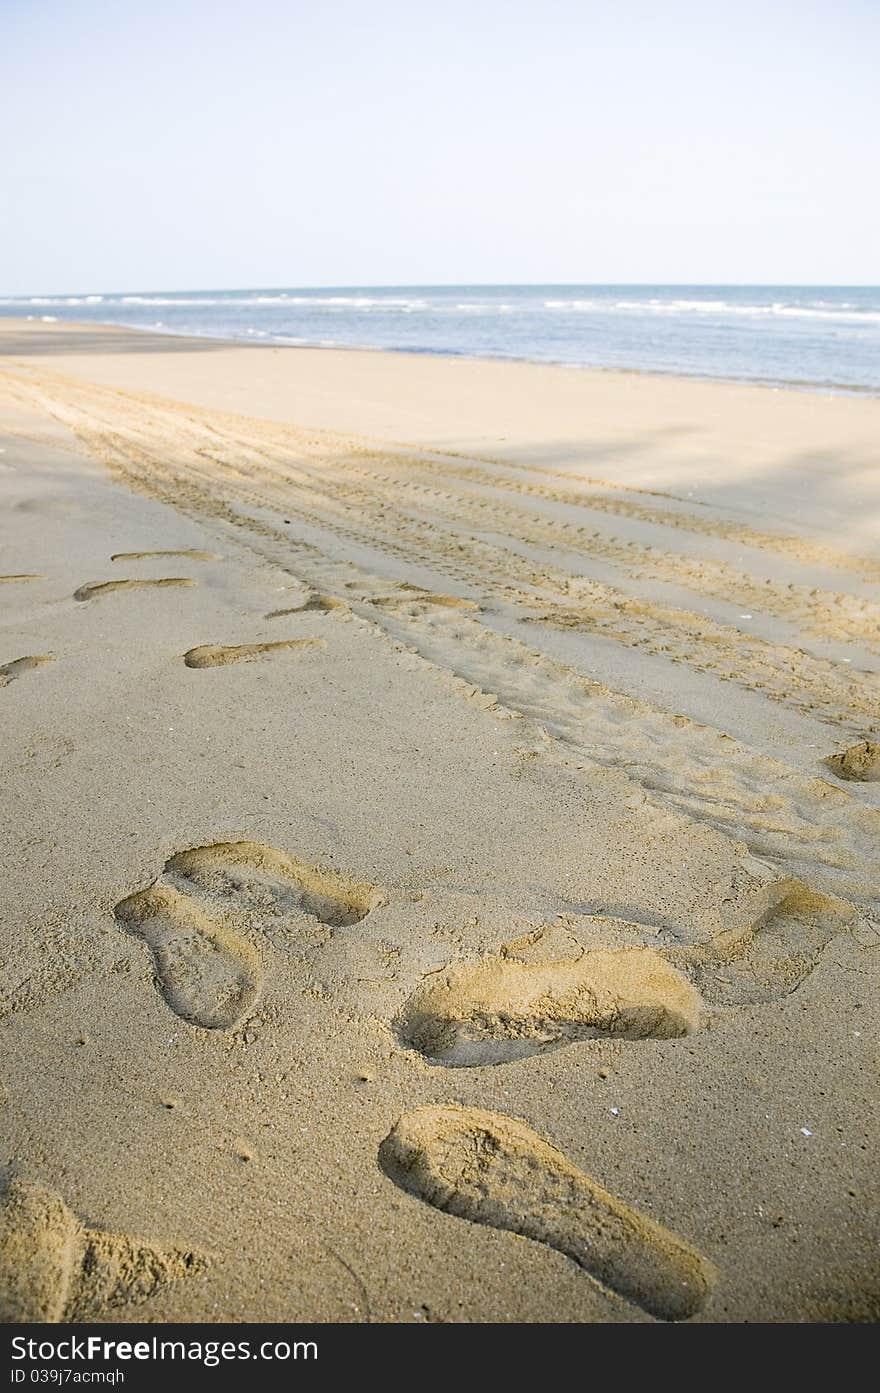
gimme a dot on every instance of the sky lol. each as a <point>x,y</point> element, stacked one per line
<point>204,144</point>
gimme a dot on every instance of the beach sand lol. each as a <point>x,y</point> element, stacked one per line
<point>440,839</point>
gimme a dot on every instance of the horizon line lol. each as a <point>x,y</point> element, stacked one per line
<point>456,284</point>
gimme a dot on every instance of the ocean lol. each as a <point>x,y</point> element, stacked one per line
<point>814,337</point>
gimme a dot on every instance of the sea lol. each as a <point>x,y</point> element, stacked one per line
<point>821,338</point>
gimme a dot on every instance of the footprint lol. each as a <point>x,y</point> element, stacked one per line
<point>105,587</point>
<point>501,1009</point>
<point>771,957</point>
<point>53,1268</point>
<point>207,971</point>
<point>423,597</point>
<point>208,974</point>
<point>264,879</point>
<point>9,671</point>
<point>151,555</point>
<point>213,655</point>
<point>320,604</point>
<point>13,580</point>
<point>38,1242</point>
<point>861,762</point>
<point>495,1170</point>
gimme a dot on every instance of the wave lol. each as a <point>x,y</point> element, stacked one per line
<point>527,301</point>
<point>56,300</point>
<point>357,302</point>
<point>207,301</point>
<point>847,313</point>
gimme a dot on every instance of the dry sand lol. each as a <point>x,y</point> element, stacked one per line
<point>434,883</point>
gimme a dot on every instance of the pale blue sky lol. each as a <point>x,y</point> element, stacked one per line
<point>206,144</point>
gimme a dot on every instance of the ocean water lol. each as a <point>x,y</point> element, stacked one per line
<point>820,337</point>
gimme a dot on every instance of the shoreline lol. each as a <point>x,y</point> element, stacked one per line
<point>770,384</point>
<point>666,432</point>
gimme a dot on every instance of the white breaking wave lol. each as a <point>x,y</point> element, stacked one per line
<point>845,312</point>
<point>357,302</point>
<point>848,314</point>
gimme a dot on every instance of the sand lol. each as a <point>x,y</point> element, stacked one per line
<point>440,839</point>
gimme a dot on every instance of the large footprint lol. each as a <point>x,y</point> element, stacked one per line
<point>53,1268</point>
<point>207,971</point>
<point>495,1170</point>
<point>501,1009</point>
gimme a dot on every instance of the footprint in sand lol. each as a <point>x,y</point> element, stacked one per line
<point>770,957</point>
<point>506,1006</point>
<point>106,587</point>
<point>9,671</point>
<point>53,1268</point>
<point>215,655</point>
<point>502,1009</point>
<point>266,880</point>
<point>860,762</point>
<point>15,580</point>
<point>495,1170</point>
<point>421,599</point>
<point>209,973</point>
<point>165,555</point>
<point>315,604</point>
